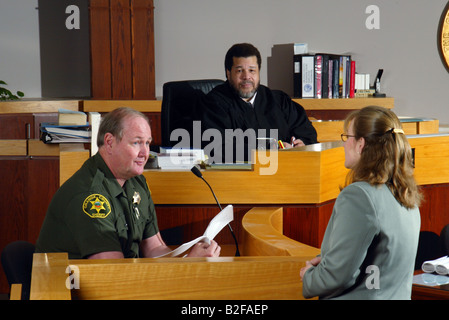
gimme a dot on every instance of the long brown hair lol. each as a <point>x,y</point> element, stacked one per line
<point>386,157</point>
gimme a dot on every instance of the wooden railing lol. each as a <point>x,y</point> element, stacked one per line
<point>270,272</point>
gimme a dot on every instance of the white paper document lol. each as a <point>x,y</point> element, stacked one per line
<point>224,217</point>
<point>440,266</point>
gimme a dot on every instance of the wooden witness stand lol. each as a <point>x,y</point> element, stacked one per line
<point>268,270</point>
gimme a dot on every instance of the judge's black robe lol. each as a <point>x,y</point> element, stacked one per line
<point>223,109</point>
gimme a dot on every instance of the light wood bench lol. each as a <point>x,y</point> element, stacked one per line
<point>269,271</point>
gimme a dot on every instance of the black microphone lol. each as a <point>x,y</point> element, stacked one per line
<point>198,173</point>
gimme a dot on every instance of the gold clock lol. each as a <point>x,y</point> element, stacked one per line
<point>443,41</point>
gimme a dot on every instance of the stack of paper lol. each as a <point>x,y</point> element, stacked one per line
<point>179,159</point>
<point>53,133</point>
<point>72,126</point>
<point>224,217</point>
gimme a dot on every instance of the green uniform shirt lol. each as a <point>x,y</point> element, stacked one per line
<point>92,213</point>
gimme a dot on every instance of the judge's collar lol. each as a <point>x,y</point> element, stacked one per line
<point>251,100</point>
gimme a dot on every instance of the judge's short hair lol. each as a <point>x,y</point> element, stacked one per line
<point>241,50</point>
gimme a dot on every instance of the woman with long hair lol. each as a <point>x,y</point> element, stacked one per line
<point>369,247</point>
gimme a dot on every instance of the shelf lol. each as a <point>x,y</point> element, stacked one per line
<point>37,106</point>
<point>344,104</point>
<point>109,105</point>
<point>155,105</point>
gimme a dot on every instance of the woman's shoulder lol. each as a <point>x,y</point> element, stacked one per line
<point>363,187</point>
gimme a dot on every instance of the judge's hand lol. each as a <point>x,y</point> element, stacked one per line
<point>312,263</point>
<point>294,143</point>
<point>202,249</point>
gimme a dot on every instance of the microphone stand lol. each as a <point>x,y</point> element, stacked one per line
<point>198,173</point>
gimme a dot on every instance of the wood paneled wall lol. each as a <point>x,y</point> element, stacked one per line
<point>29,185</point>
<point>122,49</point>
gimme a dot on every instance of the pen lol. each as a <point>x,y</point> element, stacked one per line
<point>293,141</point>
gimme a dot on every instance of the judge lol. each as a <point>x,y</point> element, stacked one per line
<point>242,104</point>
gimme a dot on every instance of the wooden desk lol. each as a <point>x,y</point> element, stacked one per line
<point>420,292</point>
<point>310,174</point>
<point>247,277</point>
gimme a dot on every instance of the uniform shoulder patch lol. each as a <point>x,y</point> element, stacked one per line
<point>96,206</point>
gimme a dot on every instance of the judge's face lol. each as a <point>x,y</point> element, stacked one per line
<point>244,76</point>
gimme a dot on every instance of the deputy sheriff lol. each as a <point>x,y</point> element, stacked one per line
<point>105,210</point>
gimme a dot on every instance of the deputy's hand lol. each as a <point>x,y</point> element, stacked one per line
<point>202,249</point>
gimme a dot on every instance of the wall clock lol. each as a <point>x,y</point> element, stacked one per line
<point>443,37</point>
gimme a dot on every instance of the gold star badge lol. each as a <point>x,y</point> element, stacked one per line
<point>97,205</point>
<point>136,198</point>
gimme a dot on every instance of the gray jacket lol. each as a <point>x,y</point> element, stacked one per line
<point>369,247</point>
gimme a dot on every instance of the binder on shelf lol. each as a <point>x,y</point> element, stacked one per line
<point>297,82</point>
<point>346,75</point>
<point>54,133</point>
<point>318,75</point>
<point>352,80</point>
<point>322,72</point>
<point>336,77</point>
<point>323,75</point>
<point>304,75</point>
